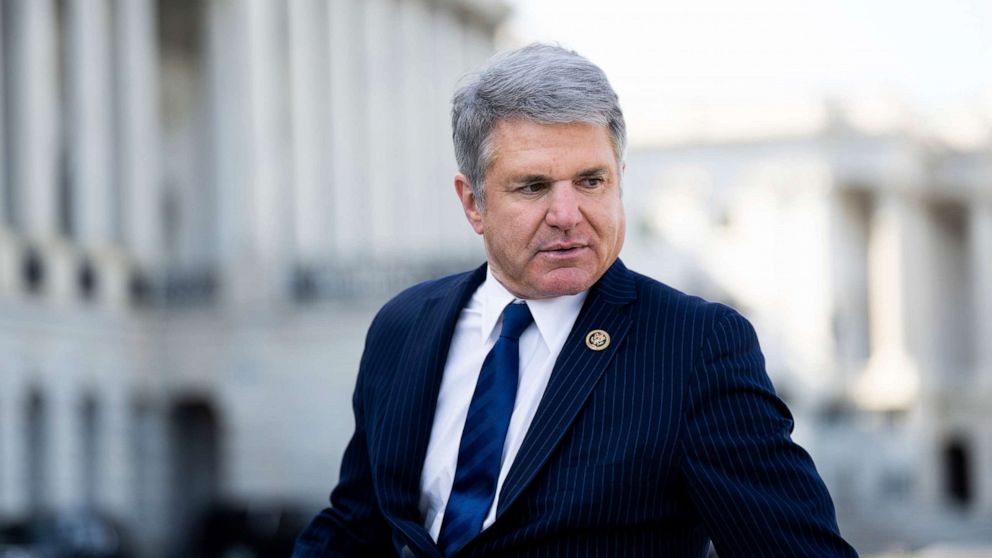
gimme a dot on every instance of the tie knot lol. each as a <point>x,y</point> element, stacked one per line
<point>516,318</point>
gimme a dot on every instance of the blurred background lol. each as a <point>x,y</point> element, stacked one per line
<point>203,202</point>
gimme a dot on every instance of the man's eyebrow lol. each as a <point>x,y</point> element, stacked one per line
<point>596,171</point>
<point>586,173</point>
<point>532,178</point>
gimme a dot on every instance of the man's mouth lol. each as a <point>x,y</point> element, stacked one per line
<point>563,250</point>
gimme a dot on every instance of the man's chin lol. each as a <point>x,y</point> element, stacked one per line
<point>563,282</point>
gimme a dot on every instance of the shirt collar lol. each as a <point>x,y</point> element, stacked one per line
<point>554,316</point>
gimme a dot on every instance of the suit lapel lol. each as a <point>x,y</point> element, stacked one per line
<point>575,374</point>
<point>408,413</point>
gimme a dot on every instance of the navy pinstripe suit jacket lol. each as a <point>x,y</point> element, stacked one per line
<point>670,437</point>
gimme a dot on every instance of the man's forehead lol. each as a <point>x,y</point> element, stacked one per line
<point>524,144</point>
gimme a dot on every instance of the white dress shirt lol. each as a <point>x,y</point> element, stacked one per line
<point>475,334</point>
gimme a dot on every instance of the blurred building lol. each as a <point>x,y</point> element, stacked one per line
<point>859,241</point>
<point>202,204</point>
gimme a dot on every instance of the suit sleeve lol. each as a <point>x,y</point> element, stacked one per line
<point>353,525</point>
<point>757,491</point>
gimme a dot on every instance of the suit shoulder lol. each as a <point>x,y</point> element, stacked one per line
<point>426,289</point>
<point>403,308</point>
<point>656,296</point>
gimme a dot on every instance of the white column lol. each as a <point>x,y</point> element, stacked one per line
<point>849,234</point>
<point>308,27</point>
<point>268,138</point>
<point>381,119</point>
<point>351,218</point>
<point>226,67</point>
<point>981,261</point>
<point>115,459</point>
<point>10,264</point>
<point>892,378</point>
<point>450,64</point>
<point>246,64</point>
<point>416,185</point>
<point>90,148</point>
<point>138,131</point>
<point>89,101</point>
<point>35,156</point>
<point>3,152</point>
<point>982,467</point>
<point>8,251</point>
<point>13,499</point>
<point>64,456</point>
<point>922,302</point>
<point>34,118</point>
<point>150,478</point>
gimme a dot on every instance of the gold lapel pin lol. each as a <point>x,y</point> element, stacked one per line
<point>597,340</point>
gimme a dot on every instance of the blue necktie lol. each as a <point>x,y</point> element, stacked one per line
<point>481,448</point>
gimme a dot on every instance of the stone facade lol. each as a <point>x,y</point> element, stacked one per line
<point>203,203</point>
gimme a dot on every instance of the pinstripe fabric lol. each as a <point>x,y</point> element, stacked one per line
<point>670,437</point>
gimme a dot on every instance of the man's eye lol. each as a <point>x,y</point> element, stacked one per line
<point>592,181</point>
<point>533,188</point>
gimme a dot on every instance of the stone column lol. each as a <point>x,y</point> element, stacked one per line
<point>225,70</point>
<point>90,152</point>
<point>13,498</point>
<point>416,185</point>
<point>115,463</point>
<point>849,234</point>
<point>8,249</point>
<point>892,377</point>
<point>981,258</point>
<point>308,28</point>
<point>149,486</point>
<point>451,64</point>
<point>351,220</point>
<point>267,156</point>
<point>89,107</point>
<point>136,60</point>
<point>4,209</point>
<point>982,467</point>
<point>382,189</point>
<point>35,157</point>
<point>33,90</point>
<point>898,375</point>
<point>64,453</point>
<point>10,264</point>
<point>246,66</point>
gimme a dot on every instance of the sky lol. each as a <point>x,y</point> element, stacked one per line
<point>662,56</point>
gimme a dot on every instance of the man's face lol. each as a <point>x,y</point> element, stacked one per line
<point>553,219</point>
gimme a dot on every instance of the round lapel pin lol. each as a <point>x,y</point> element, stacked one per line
<point>597,340</point>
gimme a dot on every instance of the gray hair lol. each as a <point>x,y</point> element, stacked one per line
<point>542,83</point>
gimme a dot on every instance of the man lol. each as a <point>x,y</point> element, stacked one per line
<point>552,402</point>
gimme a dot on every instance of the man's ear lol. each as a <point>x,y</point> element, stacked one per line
<point>465,194</point>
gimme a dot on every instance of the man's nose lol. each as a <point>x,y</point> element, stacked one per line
<point>563,206</point>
